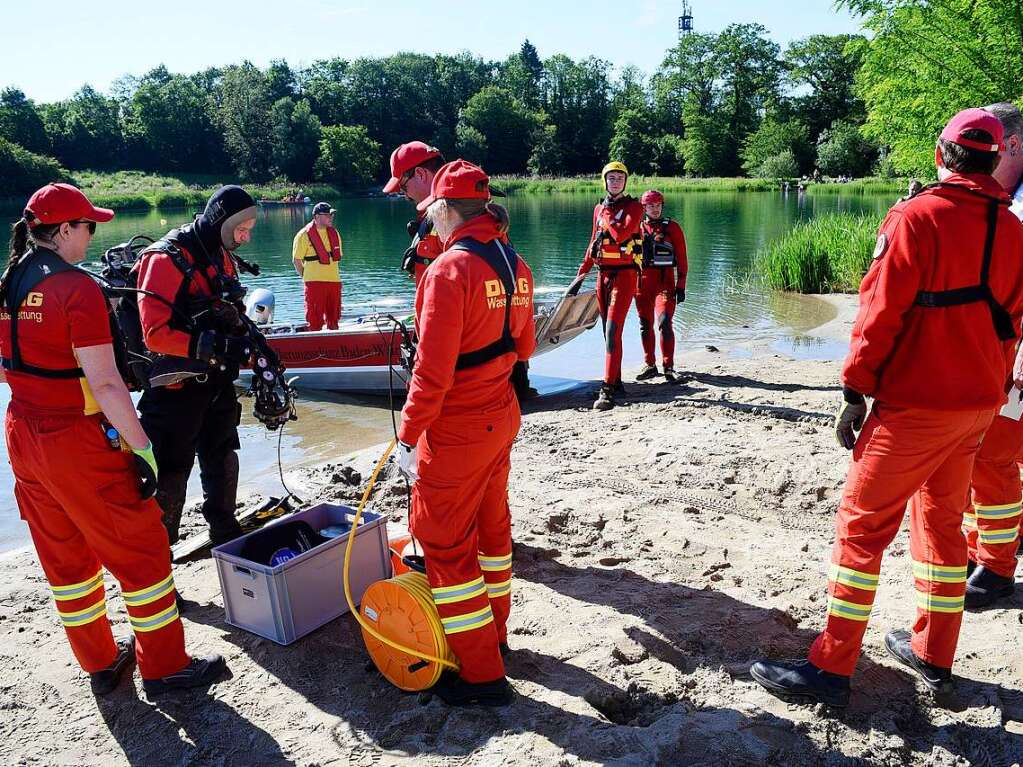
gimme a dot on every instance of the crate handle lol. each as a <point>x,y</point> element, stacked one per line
<point>244,571</point>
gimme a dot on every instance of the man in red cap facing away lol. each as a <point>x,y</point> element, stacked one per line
<point>662,284</point>
<point>474,319</point>
<point>413,166</point>
<point>933,344</point>
<point>991,522</point>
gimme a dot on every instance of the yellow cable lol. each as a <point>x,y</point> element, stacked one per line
<point>348,591</point>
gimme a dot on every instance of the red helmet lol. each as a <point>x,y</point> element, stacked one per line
<point>652,197</point>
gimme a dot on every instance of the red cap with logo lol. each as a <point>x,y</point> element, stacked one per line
<point>57,203</point>
<point>405,158</point>
<point>458,180</point>
<point>975,119</point>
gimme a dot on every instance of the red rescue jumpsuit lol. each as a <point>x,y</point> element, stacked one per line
<point>936,375</point>
<point>655,300</point>
<point>427,248</point>
<point>991,522</point>
<point>464,422</point>
<point>79,496</point>
<point>617,261</point>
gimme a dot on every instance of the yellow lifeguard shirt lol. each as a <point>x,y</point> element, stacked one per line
<point>314,271</point>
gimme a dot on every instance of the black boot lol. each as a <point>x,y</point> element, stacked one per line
<point>105,682</point>
<point>200,672</point>
<point>985,588</point>
<point>802,679</point>
<point>897,643</point>
<point>605,399</point>
<point>455,691</point>
<point>648,372</point>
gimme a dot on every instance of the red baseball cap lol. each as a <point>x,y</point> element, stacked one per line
<point>975,119</point>
<point>458,180</point>
<point>405,158</point>
<point>57,203</point>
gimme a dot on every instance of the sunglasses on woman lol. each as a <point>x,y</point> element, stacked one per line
<point>90,224</point>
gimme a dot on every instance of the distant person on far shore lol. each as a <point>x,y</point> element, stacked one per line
<point>662,285</point>
<point>933,345</point>
<point>316,253</point>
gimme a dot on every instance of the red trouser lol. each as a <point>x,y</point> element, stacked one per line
<point>81,501</point>
<point>991,524</point>
<point>322,304</point>
<point>460,516</point>
<point>655,304</point>
<point>615,290</point>
<point>924,457</point>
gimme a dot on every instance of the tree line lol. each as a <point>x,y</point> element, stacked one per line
<point>720,104</point>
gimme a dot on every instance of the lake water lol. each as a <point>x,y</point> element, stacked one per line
<point>723,231</point>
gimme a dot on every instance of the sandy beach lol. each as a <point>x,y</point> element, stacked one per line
<point>660,548</point>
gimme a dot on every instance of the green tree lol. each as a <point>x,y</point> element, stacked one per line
<point>243,112</point>
<point>471,144</point>
<point>522,74</point>
<point>169,125</point>
<point>634,140</point>
<point>295,138</point>
<point>348,156</point>
<point>280,81</point>
<point>545,158</point>
<point>770,140</point>
<point>781,165</point>
<point>687,75</point>
<point>701,145</point>
<point>826,66</point>
<point>85,131</point>
<point>577,99</point>
<point>507,126</point>
<point>23,172</point>
<point>927,59</point>
<point>842,150</point>
<point>20,122</point>
<point>750,75</point>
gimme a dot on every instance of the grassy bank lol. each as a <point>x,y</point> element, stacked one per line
<point>136,190</point>
<point>829,254</point>
<point>637,184</point>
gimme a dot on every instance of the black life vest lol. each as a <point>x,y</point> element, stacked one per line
<point>658,249</point>
<point>505,262</point>
<point>34,267</point>
<point>418,230</point>
<point>939,299</point>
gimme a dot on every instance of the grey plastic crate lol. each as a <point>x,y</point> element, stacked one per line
<point>286,602</point>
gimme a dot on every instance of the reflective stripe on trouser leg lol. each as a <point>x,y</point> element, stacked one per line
<point>497,573</point>
<point>995,507</point>
<point>940,592</point>
<point>903,454</point>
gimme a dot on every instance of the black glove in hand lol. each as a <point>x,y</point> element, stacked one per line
<point>849,419</point>
<point>237,349</point>
<point>680,295</point>
<point>206,346</point>
<point>213,347</point>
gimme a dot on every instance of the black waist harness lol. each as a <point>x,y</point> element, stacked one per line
<point>504,261</point>
<point>33,268</point>
<point>939,299</point>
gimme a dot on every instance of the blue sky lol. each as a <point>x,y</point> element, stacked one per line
<point>82,45</point>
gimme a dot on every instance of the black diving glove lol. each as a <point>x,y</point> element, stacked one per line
<point>849,419</point>
<point>213,346</point>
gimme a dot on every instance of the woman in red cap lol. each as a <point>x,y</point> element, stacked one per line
<point>79,452</point>
<point>662,284</point>
<point>474,319</point>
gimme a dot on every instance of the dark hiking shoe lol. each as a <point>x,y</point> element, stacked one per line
<point>672,377</point>
<point>648,372</point>
<point>984,588</point>
<point>605,399</point>
<point>619,388</point>
<point>802,680</point>
<point>897,643</point>
<point>505,649</point>
<point>105,682</point>
<point>200,672</point>
<point>455,691</point>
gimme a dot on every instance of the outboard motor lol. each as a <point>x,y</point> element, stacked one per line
<point>259,306</point>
